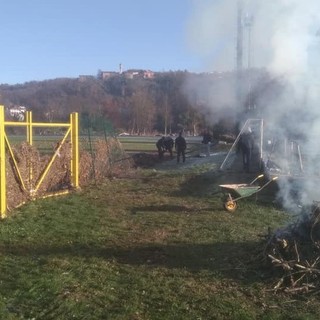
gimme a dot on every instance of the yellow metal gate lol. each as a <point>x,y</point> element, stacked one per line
<point>72,133</point>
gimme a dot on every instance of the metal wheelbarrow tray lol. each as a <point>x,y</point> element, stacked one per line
<point>235,192</point>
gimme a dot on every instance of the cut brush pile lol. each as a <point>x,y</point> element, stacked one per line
<point>106,159</point>
<point>295,253</point>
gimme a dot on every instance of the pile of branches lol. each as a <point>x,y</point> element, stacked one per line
<point>294,253</point>
<point>106,160</point>
<point>31,163</point>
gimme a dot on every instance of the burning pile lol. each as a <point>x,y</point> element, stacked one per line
<point>295,252</point>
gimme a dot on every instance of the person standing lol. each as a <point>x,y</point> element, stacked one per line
<point>207,139</point>
<point>161,148</point>
<point>246,145</point>
<point>168,145</point>
<point>180,146</point>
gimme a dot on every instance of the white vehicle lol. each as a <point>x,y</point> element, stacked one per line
<point>123,134</point>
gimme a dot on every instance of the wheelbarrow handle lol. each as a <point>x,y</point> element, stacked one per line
<point>258,177</point>
<point>273,179</point>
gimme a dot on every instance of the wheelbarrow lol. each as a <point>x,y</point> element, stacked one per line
<point>235,192</point>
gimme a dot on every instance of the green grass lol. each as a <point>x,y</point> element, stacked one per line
<point>148,144</point>
<point>156,246</point>
<point>46,144</point>
<point>136,145</point>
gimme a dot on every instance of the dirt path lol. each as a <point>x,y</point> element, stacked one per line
<point>233,174</point>
<point>212,162</point>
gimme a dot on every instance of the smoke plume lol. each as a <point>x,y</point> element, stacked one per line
<point>284,39</point>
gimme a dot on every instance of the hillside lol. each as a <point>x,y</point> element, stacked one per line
<point>166,103</point>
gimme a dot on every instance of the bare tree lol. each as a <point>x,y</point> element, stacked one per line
<point>143,112</point>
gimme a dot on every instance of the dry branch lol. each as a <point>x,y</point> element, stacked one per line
<point>294,251</point>
<point>102,164</point>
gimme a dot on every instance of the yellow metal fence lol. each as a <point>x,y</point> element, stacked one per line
<point>71,132</point>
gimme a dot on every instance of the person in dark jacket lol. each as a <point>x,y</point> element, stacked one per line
<point>181,146</point>
<point>165,144</point>
<point>207,140</point>
<point>168,145</point>
<point>246,144</point>
<point>161,148</point>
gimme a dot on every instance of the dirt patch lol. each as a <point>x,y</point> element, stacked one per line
<point>212,163</point>
<point>151,160</point>
<point>148,160</point>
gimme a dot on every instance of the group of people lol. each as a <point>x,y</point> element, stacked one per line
<point>166,144</point>
<point>245,145</point>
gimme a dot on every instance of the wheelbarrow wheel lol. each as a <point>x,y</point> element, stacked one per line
<point>230,205</point>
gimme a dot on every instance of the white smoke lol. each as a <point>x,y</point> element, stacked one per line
<point>283,33</point>
<point>284,39</point>
<point>211,33</point>
<point>295,53</point>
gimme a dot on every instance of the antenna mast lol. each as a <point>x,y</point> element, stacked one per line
<point>239,37</point>
<point>239,91</point>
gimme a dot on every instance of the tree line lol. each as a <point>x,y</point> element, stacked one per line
<point>166,104</point>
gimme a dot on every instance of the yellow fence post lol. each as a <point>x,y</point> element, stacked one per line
<point>75,149</point>
<point>29,128</point>
<point>30,141</point>
<point>3,191</point>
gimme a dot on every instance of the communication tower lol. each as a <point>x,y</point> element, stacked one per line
<point>239,48</point>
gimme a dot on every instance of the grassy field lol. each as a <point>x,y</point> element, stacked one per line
<point>131,144</point>
<point>45,144</point>
<point>148,143</point>
<point>153,245</point>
